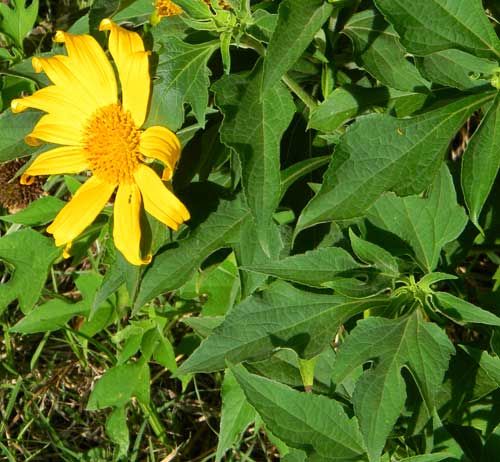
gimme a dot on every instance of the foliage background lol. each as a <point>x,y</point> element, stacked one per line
<point>335,295</point>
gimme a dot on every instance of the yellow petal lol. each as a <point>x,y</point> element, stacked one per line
<point>158,200</point>
<point>162,144</point>
<point>132,63</point>
<point>66,159</point>
<point>54,129</point>
<point>81,211</point>
<point>54,101</point>
<point>127,227</point>
<point>69,79</point>
<point>88,58</point>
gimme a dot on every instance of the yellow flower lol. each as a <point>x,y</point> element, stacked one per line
<point>166,8</point>
<point>102,134</point>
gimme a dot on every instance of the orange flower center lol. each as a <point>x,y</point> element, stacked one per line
<point>111,142</point>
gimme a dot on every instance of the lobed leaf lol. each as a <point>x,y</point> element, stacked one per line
<point>280,316</point>
<point>305,421</point>
<point>380,153</point>
<point>425,223</point>
<point>390,344</point>
<point>254,122</point>
<point>183,77</point>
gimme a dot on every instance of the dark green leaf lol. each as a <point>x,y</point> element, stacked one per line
<point>248,251</point>
<point>305,421</point>
<point>300,169</point>
<point>311,268</point>
<point>14,127</point>
<point>183,77</point>
<point>428,26</point>
<point>174,266</point>
<point>374,255</point>
<point>425,223</point>
<point>254,122</point>
<point>380,394</point>
<point>481,162</point>
<point>280,316</point>
<point>455,68</point>
<point>348,101</point>
<point>298,22</point>
<point>464,312</point>
<point>381,153</point>
<point>378,51</point>
<point>489,364</point>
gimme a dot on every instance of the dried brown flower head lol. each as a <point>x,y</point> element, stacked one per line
<point>13,195</point>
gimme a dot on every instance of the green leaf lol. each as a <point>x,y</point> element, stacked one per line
<point>298,22</point>
<point>220,287</point>
<point>280,316</point>
<point>481,162</point>
<point>203,325</point>
<point>254,122</point>
<point>378,51</point>
<point>455,68</point>
<point>463,312</point>
<point>300,169</point>
<point>117,429</point>
<point>236,415</point>
<point>346,102</point>
<point>312,268</point>
<point>489,364</point>
<point>137,13</point>
<point>425,223</point>
<point>37,213</point>
<point>175,265</point>
<point>263,25</point>
<point>50,316</point>
<point>54,314</point>
<point>18,20</point>
<point>197,10</point>
<point>30,255</point>
<point>101,9</point>
<point>428,457</point>
<point>390,345</point>
<point>14,127</point>
<point>305,421</point>
<point>380,153</point>
<point>248,251</point>
<point>119,384</point>
<point>375,255</point>
<point>284,367</point>
<point>183,77</point>
<point>460,24</point>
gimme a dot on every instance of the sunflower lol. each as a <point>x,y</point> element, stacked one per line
<point>102,135</point>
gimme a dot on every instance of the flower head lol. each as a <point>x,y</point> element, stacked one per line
<point>13,196</point>
<point>101,133</point>
<point>164,8</point>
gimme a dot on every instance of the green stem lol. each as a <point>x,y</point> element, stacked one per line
<point>300,92</point>
<point>156,425</point>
